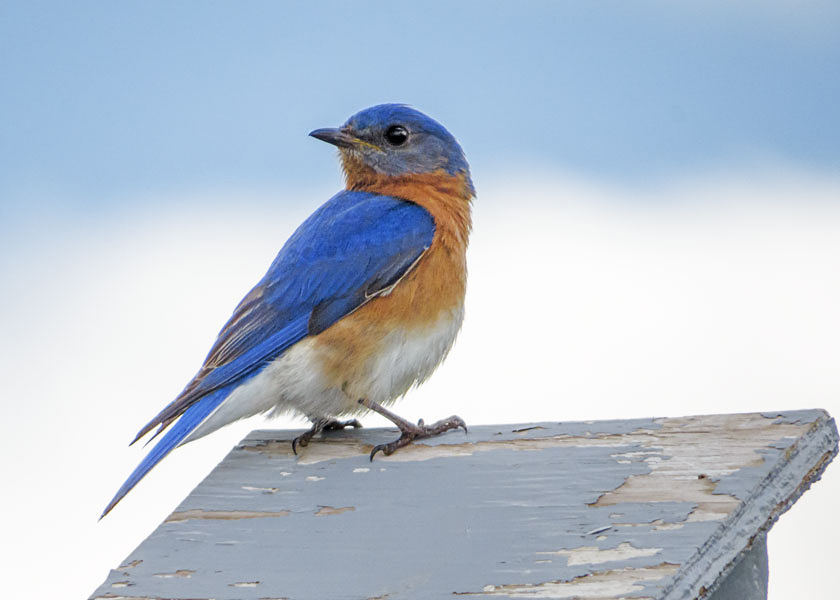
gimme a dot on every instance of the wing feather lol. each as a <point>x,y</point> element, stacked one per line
<point>355,247</point>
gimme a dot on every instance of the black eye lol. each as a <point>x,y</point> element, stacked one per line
<point>397,135</point>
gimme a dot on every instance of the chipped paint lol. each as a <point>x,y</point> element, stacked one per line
<point>245,584</point>
<point>129,565</point>
<point>226,515</point>
<point>668,526</point>
<point>265,490</point>
<point>615,583</point>
<point>179,573</point>
<point>329,450</point>
<point>326,511</point>
<point>592,555</point>
<point>691,466</point>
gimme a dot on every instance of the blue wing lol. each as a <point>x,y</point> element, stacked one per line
<point>352,247</point>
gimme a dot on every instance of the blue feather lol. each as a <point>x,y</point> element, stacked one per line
<point>255,354</point>
<point>191,418</point>
<point>354,245</point>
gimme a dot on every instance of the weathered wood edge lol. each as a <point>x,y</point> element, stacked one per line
<point>777,492</point>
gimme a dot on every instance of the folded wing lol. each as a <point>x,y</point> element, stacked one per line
<point>351,249</point>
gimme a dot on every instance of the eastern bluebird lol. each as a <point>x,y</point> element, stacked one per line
<point>361,303</point>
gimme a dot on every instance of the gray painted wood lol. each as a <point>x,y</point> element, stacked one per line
<point>748,580</point>
<point>648,508</point>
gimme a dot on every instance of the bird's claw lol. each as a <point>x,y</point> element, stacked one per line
<point>419,431</point>
<point>302,440</point>
<point>321,425</point>
<point>389,448</point>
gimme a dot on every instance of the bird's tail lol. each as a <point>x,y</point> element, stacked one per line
<point>188,421</point>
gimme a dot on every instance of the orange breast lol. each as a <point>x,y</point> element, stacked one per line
<point>431,291</point>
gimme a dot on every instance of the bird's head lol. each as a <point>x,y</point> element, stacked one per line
<point>394,140</point>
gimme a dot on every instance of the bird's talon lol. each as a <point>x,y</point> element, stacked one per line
<point>319,425</point>
<point>380,447</point>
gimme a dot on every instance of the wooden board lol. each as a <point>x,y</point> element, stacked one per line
<point>650,508</point>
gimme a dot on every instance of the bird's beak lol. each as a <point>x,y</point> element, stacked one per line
<point>336,137</point>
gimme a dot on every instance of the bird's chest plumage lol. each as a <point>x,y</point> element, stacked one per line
<point>397,340</point>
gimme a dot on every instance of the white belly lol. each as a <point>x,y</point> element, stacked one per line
<point>408,358</point>
<point>295,382</point>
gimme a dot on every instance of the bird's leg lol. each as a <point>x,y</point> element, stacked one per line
<point>319,425</point>
<point>409,431</point>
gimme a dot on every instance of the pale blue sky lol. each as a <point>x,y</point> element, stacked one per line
<point>102,103</point>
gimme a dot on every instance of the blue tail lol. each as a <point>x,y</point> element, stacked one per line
<point>191,418</point>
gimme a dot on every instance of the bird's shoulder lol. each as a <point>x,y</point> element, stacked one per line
<point>349,247</point>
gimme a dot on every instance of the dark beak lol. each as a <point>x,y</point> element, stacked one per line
<point>336,137</point>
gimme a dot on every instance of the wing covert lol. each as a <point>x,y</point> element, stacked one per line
<point>354,246</point>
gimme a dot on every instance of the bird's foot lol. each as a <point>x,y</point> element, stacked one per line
<point>419,431</point>
<point>408,431</point>
<point>319,425</point>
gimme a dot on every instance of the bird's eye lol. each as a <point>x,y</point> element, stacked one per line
<point>397,135</point>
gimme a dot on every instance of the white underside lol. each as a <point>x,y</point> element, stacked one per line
<point>295,381</point>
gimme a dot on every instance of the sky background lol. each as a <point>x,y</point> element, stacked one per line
<point>662,178</point>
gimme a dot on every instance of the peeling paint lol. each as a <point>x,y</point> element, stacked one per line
<point>265,490</point>
<point>325,511</point>
<point>179,573</point>
<point>693,467</point>
<point>597,586</point>
<point>245,584</point>
<point>668,526</point>
<point>320,450</point>
<point>592,555</point>
<point>129,565</point>
<point>327,450</point>
<point>225,515</point>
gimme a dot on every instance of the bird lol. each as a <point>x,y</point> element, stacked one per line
<point>362,302</point>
